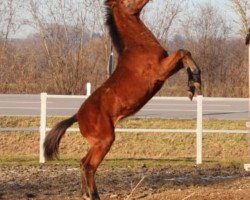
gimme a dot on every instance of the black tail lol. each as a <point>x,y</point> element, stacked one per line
<point>53,138</point>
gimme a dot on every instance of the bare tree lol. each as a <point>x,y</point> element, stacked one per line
<point>242,10</point>
<point>64,33</point>
<point>7,15</point>
<point>206,35</point>
<point>71,45</point>
<point>165,17</point>
<point>8,25</point>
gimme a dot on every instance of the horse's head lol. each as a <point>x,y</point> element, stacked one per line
<point>132,7</point>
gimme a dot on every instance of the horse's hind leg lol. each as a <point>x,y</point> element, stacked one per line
<point>83,179</point>
<point>100,143</point>
<point>88,192</point>
<point>89,166</point>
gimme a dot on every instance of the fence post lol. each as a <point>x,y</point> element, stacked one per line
<point>42,126</point>
<point>199,131</point>
<point>249,80</point>
<point>88,89</point>
<point>247,165</point>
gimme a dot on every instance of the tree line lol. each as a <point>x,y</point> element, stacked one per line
<point>70,45</point>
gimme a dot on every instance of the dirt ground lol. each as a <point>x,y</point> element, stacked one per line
<point>61,182</point>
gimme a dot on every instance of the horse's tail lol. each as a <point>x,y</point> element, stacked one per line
<point>53,138</point>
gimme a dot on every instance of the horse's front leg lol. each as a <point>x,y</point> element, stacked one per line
<point>194,75</point>
<point>183,59</point>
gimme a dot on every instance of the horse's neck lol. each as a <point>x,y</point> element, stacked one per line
<point>132,30</point>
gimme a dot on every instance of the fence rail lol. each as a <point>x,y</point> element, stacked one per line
<point>135,130</point>
<point>199,128</point>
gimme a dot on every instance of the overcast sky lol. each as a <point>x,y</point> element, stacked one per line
<point>222,5</point>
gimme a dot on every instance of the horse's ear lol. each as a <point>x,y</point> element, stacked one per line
<point>110,3</point>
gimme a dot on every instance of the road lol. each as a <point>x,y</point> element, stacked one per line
<point>219,108</point>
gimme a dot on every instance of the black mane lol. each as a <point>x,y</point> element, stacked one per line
<point>113,31</point>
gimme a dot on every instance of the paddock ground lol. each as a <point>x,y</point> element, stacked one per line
<point>63,182</point>
<point>165,160</point>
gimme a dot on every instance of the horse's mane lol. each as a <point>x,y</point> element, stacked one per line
<point>113,31</point>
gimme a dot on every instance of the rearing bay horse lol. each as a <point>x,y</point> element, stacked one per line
<point>143,66</point>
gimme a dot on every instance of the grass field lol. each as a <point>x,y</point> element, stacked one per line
<point>133,149</point>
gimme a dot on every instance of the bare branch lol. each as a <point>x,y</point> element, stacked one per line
<point>242,10</point>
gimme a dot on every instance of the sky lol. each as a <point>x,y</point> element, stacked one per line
<point>222,5</point>
<point>215,2</point>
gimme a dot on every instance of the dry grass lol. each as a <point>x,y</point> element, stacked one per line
<point>142,146</point>
<point>29,122</point>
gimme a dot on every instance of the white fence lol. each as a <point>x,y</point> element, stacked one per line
<point>199,128</point>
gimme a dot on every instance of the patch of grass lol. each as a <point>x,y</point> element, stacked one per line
<point>28,122</point>
<point>24,160</point>
<point>19,160</point>
<point>131,149</point>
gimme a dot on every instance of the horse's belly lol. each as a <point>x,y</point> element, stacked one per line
<point>136,98</point>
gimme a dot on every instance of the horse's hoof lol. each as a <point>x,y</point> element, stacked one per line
<point>85,197</point>
<point>191,90</point>
<point>190,95</point>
